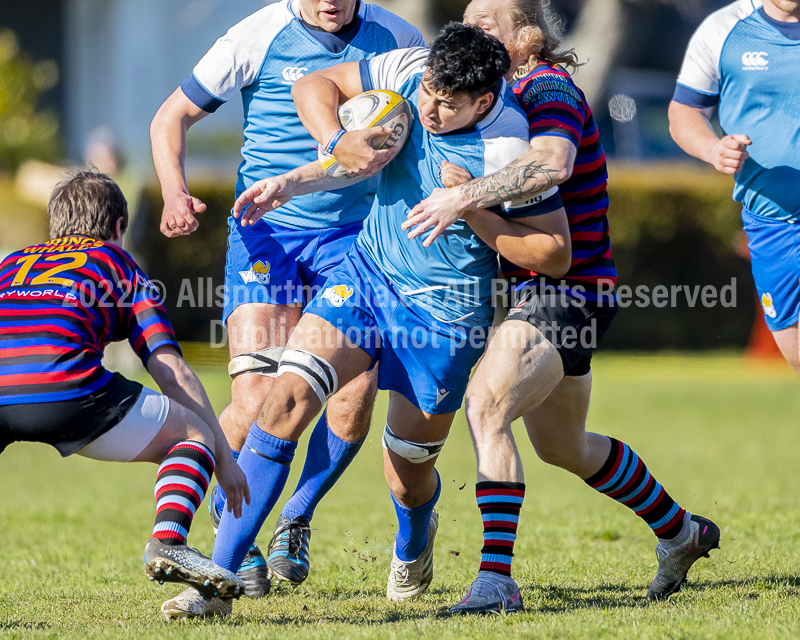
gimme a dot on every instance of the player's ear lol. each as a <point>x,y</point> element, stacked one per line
<point>485,102</point>
<point>118,232</point>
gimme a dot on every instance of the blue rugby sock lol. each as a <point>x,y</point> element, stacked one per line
<point>219,503</point>
<point>265,461</point>
<point>412,535</point>
<point>328,457</point>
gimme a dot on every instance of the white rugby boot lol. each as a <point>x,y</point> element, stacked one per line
<point>192,604</point>
<point>408,580</point>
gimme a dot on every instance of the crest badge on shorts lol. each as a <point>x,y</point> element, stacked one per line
<point>769,308</point>
<point>337,295</point>
<point>259,273</point>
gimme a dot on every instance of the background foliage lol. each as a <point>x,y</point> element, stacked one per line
<point>670,225</point>
<point>25,131</point>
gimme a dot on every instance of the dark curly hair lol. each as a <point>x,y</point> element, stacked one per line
<point>466,59</point>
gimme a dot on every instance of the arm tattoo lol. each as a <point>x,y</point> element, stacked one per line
<point>514,182</point>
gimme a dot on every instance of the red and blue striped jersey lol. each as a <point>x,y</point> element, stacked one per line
<point>556,107</point>
<point>61,303</point>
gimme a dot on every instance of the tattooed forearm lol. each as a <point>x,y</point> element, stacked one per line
<point>518,180</point>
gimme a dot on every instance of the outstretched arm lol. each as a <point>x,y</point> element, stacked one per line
<point>168,139</point>
<point>271,193</point>
<point>548,163</point>
<point>691,129</point>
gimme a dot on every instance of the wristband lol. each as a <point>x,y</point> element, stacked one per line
<point>333,140</point>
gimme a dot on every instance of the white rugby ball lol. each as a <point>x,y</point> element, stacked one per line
<point>376,108</point>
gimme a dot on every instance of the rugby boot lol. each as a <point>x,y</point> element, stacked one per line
<point>179,563</point>
<point>253,570</point>
<point>490,593</point>
<point>674,562</point>
<point>192,604</point>
<point>288,550</point>
<point>408,580</point>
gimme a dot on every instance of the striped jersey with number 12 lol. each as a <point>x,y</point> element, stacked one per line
<point>61,303</point>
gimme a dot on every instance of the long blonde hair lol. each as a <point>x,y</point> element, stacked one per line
<point>539,33</point>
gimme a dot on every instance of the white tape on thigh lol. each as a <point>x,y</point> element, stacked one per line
<point>411,451</point>
<point>318,372</point>
<point>263,363</point>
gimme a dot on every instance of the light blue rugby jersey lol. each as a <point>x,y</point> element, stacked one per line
<point>748,65</point>
<point>451,279</point>
<point>262,57</point>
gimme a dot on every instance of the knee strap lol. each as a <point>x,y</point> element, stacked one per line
<point>316,371</point>
<point>411,451</point>
<point>264,363</point>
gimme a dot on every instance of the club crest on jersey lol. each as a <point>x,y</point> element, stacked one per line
<point>337,295</point>
<point>755,61</point>
<point>293,74</point>
<point>769,308</point>
<point>259,273</point>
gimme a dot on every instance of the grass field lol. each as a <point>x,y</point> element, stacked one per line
<point>720,433</point>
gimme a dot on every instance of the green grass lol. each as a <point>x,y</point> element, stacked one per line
<point>720,433</point>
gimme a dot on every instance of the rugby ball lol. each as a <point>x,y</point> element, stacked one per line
<point>377,108</point>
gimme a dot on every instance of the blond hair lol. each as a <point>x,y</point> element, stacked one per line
<point>538,33</point>
<point>89,203</point>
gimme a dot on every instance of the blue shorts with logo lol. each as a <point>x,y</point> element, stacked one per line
<point>775,257</point>
<point>272,264</point>
<point>426,360</point>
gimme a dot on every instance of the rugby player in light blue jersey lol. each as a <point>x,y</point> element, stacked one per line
<point>274,267</point>
<point>744,60</point>
<point>422,313</point>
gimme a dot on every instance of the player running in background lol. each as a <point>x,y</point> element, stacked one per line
<point>744,60</point>
<point>274,267</point>
<point>390,300</point>
<point>537,365</point>
<point>61,304</point>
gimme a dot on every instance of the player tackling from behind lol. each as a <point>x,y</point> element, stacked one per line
<point>61,303</point>
<point>423,314</point>
<point>537,365</point>
<point>273,268</point>
<point>744,61</point>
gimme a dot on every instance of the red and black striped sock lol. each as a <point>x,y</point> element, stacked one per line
<point>181,485</point>
<point>625,478</point>
<point>500,503</point>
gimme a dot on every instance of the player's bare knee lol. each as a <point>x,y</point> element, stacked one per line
<point>557,456</point>
<point>349,411</point>
<point>288,408</point>
<point>409,492</point>
<point>181,424</point>
<point>248,393</point>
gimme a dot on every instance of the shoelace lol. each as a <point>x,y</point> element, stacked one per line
<point>399,572</point>
<point>493,585</point>
<point>295,541</point>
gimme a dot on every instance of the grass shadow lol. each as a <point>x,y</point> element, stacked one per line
<point>27,625</point>
<point>558,599</point>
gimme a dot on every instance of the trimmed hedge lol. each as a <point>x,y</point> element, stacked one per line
<point>677,225</point>
<point>670,226</point>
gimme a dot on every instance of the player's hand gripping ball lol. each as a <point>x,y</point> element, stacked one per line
<point>377,108</point>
